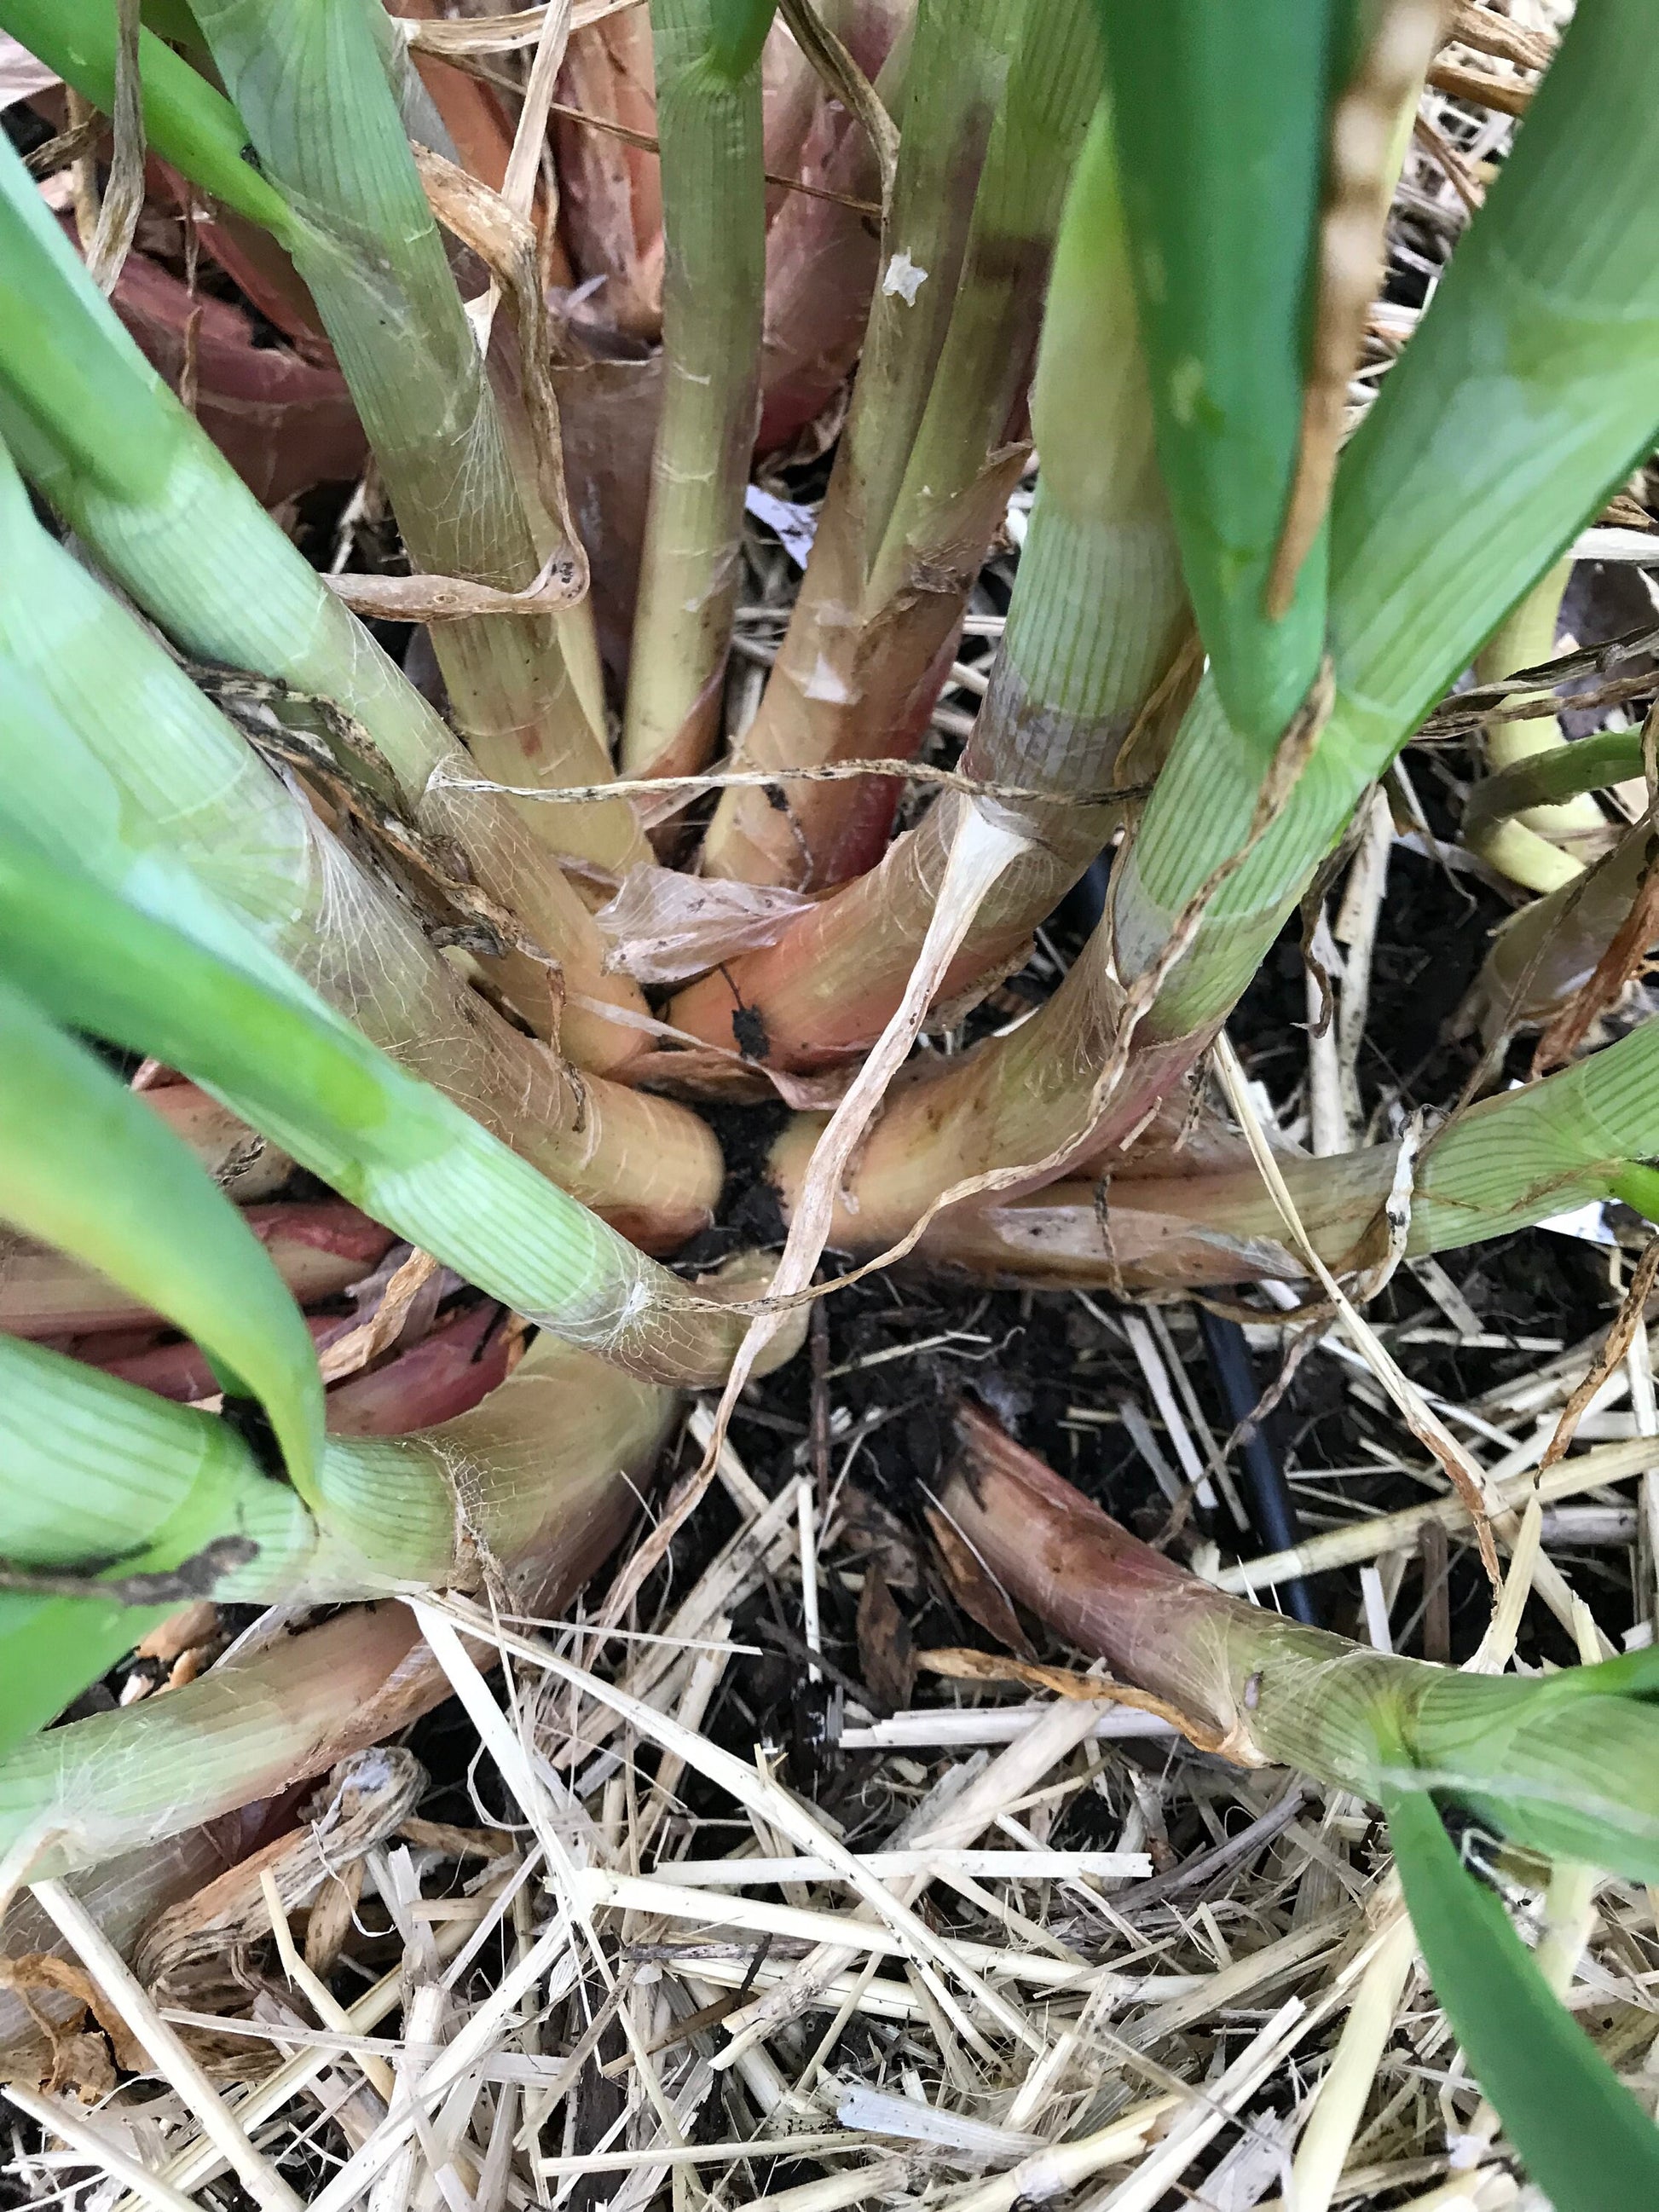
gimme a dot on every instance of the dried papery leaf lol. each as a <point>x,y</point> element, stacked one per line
<point>1489,33</point>
<point>448,1372</point>
<point>194,1624</point>
<point>507,33</point>
<point>473,111</point>
<point>887,1657</point>
<point>1362,163</point>
<point>518,187</point>
<point>966,1666</point>
<point>38,1971</point>
<point>823,258</point>
<point>332,1917</point>
<point>1506,94</point>
<point>188,1952</point>
<point>676,791</point>
<point>503,237</point>
<point>1610,1357</point>
<point>1541,957</point>
<point>662,926</point>
<point>350,1353</point>
<point>123,195</point>
<point>1620,961</point>
<point>455,598</point>
<point>610,181</point>
<point>847,83</point>
<point>973,1586</point>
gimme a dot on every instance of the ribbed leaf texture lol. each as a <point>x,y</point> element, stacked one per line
<point>1529,389</point>
<point>86,1165</point>
<point>1222,116</point>
<point>238,1022</point>
<point>1587,2142</point>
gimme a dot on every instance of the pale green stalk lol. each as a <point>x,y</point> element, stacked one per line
<point>93,1474</point>
<point>1526,639</point>
<point>308,80</point>
<point>1098,612</point>
<point>101,436</point>
<point>1537,781</point>
<point>954,88</point>
<point>984,364</point>
<point>335,181</point>
<point>926,464</point>
<point>1526,394</point>
<point>250,1727</point>
<point>195,990</point>
<point>1525,850</point>
<point>1505,1165</point>
<point>1567,1764</point>
<point>537,1482</point>
<point>113,760</point>
<point>714,190</point>
<point>95,1469</point>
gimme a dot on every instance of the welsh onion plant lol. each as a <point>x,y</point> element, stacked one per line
<point>235,838</point>
<point>1564,1767</point>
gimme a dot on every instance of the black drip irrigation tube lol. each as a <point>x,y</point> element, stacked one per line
<point>1274,1517</point>
<point>1272,1511</point>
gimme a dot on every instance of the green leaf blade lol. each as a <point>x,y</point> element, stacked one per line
<point>1221,114</point>
<point>52,1648</point>
<point>187,121</point>
<point>197,990</point>
<point>1586,2141</point>
<point>85,1165</point>
<point>737,31</point>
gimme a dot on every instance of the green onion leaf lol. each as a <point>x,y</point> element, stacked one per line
<point>1587,2142</point>
<point>217,1005</point>
<point>739,31</point>
<point>187,121</point>
<point>85,1165</point>
<point>1221,116</point>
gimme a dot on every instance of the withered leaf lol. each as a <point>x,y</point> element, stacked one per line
<point>980,1598</point>
<point>886,1653</point>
